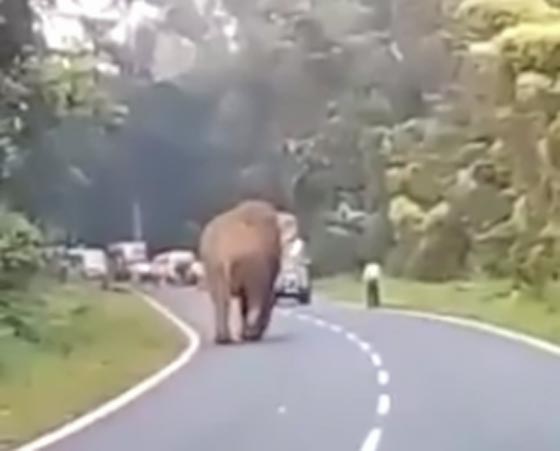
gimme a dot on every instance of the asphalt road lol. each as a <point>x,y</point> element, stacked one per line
<point>333,379</point>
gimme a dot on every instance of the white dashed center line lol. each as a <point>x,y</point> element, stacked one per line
<point>319,322</point>
<point>303,317</point>
<point>364,346</point>
<point>383,405</point>
<point>371,443</point>
<point>335,328</point>
<point>382,378</point>
<point>376,360</point>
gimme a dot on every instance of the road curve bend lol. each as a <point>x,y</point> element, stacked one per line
<point>334,379</point>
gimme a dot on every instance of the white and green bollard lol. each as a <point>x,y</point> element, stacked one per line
<point>371,279</point>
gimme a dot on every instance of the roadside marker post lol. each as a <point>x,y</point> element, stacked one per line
<point>370,278</point>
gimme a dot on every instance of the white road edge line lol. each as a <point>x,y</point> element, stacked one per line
<point>518,337</point>
<point>131,394</point>
<point>383,377</point>
<point>372,440</point>
<point>383,405</point>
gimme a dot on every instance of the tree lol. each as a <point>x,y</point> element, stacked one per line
<point>324,90</point>
<point>53,109</point>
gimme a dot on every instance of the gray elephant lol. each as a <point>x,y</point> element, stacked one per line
<point>241,250</point>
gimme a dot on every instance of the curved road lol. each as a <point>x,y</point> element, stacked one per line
<point>332,379</point>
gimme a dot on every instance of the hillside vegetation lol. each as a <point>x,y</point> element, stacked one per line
<point>475,184</point>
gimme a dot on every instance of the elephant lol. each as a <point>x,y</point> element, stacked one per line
<point>241,251</point>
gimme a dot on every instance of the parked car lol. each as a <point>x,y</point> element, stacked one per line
<point>174,266</point>
<point>195,274</point>
<point>143,272</point>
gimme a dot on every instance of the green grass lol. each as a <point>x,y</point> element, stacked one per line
<point>93,346</point>
<point>486,300</point>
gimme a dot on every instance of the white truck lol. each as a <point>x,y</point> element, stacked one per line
<point>129,260</point>
<point>90,263</point>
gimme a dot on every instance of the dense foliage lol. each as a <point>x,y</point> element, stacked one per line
<point>486,18</point>
<point>384,111</point>
<point>39,91</point>
<point>20,254</point>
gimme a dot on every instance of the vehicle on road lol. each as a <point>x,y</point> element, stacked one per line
<point>196,273</point>
<point>294,278</point>
<point>90,263</point>
<point>294,281</point>
<point>144,272</point>
<point>174,266</point>
<point>124,255</point>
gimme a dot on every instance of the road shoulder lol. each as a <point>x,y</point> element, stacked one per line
<point>480,308</point>
<point>133,393</point>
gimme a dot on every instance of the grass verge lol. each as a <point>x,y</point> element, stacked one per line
<point>485,300</point>
<point>93,346</point>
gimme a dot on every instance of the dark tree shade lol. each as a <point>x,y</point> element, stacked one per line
<point>15,29</point>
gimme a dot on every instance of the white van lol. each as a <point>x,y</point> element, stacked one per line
<point>90,262</point>
<point>130,251</point>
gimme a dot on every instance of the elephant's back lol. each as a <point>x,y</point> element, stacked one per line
<point>250,230</point>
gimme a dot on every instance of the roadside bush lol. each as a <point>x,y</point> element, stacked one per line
<point>20,253</point>
<point>20,258</point>
<point>45,314</point>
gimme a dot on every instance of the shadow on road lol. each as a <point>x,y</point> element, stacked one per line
<point>195,307</point>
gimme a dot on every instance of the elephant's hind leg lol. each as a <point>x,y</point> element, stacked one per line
<point>258,316</point>
<point>220,293</point>
<point>223,335</point>
<point>251,330</point>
